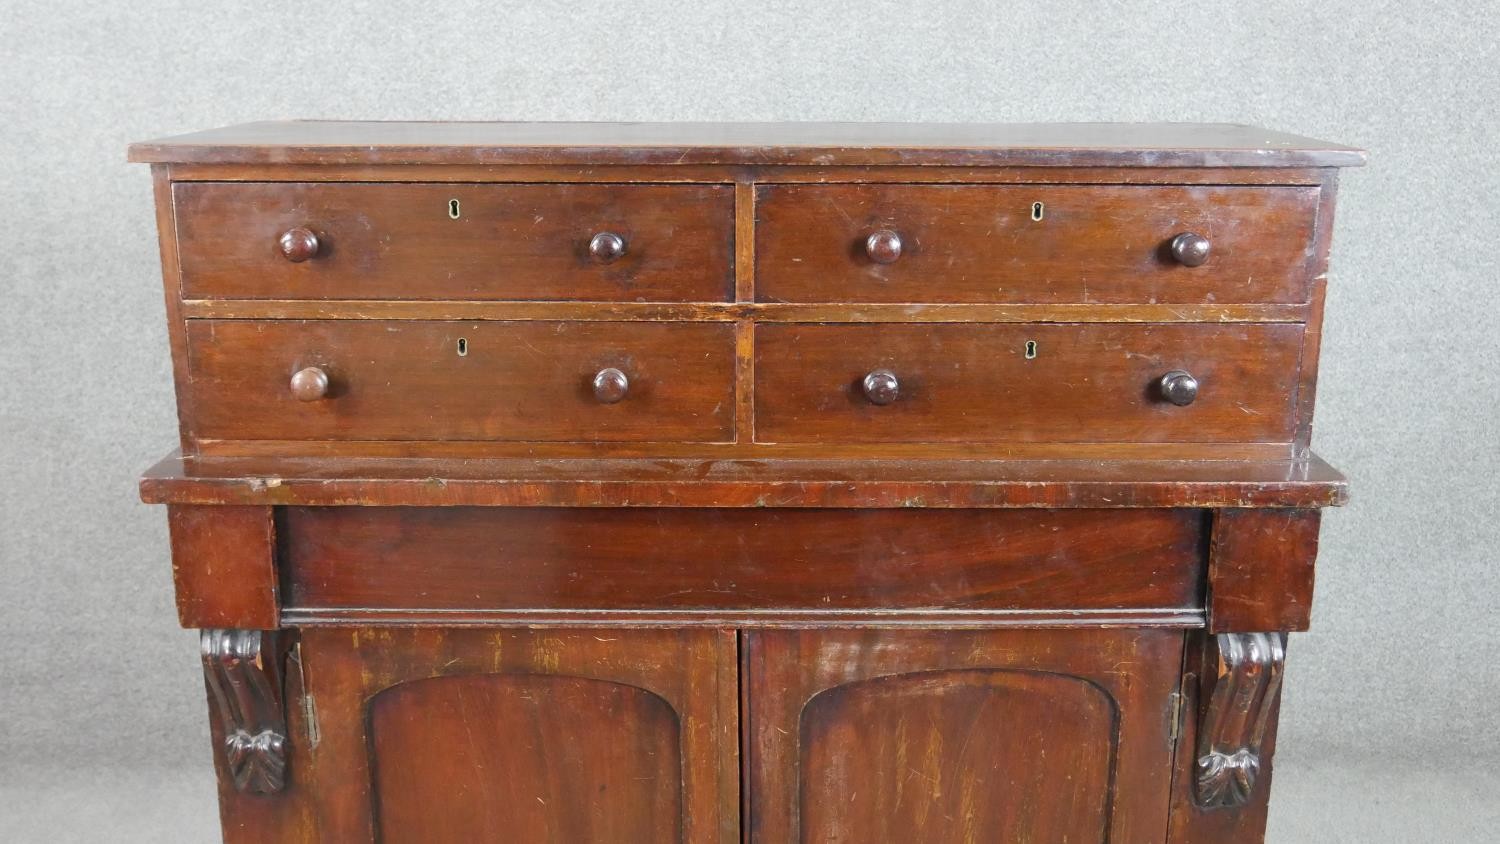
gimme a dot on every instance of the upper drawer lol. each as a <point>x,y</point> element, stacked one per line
<point>1033,243</point>
<point>1025,383</point>
<point>429,380</point>
<point>585,242</point>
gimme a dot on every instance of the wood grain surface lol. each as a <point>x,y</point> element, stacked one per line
<point>972,243</point>
<point>710,482</point>
<point>327,142</point>
<point>807,559</point>
<point>981,383</point>
<point>744,482</point>
<point>524,757</point>
<point>224,566</point>
<point>509,381</point>
<point>549,735</point>
<point>947,736</point>
<point>506,242</point>
<point>1261,569</point>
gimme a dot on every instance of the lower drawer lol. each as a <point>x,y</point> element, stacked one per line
<point>739,559</point>
<point>440,380</point>
<point>1025,383</point>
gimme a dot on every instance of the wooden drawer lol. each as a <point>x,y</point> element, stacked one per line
<point>430,380</point>
<point>403,241</point>
<point>740,559</point>
<point>1025,382</point>
<point>983,243</point>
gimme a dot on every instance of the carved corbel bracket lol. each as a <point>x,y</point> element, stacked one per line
<point>244,676</point>
<point>1234,724</point>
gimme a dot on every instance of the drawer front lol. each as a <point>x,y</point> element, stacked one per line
<point>744,559</point>
<point>431,380</point>
<point>1034,243</point>
<point>1024,383</point>
<point>456,241</point>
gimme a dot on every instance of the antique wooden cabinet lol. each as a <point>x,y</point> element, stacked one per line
<point>768,483</point>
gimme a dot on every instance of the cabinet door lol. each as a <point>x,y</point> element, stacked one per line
<point>466,735</point>
<point>954,736</point>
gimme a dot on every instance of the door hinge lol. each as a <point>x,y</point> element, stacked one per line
<point>309,706</point>
<point>1174,726</point>
<point>310,716</point>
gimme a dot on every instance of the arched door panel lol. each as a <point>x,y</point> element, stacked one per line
<point>894,736</point>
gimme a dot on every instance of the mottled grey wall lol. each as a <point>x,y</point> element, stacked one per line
<point>93,669</point>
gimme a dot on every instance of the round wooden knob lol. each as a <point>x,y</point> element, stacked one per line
<point>1190,250</point>
<point>883,247</point>
<point>1179,387</point>
<point>309,384</point>
<point>610,385</point>
<point>299,244</point>
<point>606,247</point>
<point>881,387</point>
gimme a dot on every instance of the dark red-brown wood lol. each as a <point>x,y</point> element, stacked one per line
<point>745,559</point>
<point>969,243</point>
<point>964,144</point>
<point>709,482</point>
<point>895,736</point>
<point>224,566</point>
<point>290,814</point>
<point>527,735</point>
<point>524,757</point>
<point>413,242</point>
<point>1192,822</point>
<point>1025,383</point>
<point>421,380</point>
<point>549,456</point>
<point>1260,569</point>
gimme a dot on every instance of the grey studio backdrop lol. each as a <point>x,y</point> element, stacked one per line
<point>1388,728</point>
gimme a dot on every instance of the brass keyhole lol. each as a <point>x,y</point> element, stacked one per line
<point>453,209</point>
<point>1037,210</point>
<point>1031,350</point>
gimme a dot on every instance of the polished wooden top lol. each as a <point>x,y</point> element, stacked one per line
<point>634,482</point>
<point>956,144</point>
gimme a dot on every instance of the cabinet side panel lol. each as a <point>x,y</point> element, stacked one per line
<point>171,275</point>
<point>1312,338</point>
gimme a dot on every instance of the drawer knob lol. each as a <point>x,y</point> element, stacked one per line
<point>606,247</point>
<point>881,387</point>
<point>1179,387</point>
<point>299,244</point>
<point>310,384</point>
<point>883,247</point>
<point>1190,249</point>
<point>610,385</point>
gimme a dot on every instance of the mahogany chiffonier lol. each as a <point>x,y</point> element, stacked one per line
<point>744,482</point>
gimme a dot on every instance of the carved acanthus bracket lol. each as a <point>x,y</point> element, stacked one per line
<point>244,674</point>
<point>1234,724</point>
